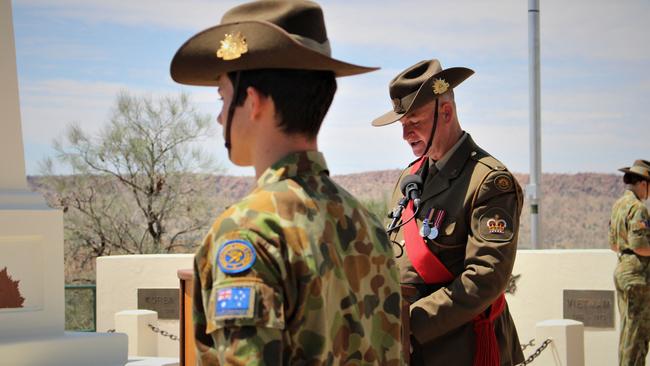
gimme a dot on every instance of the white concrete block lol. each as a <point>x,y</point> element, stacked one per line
<point>119,278</point>
<point>66,348</point>
<point>135,323</point>
<point>545,274</point>
<point>567,347</point>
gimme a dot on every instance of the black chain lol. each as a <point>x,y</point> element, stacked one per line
<point>537,352</point>
<point>163,333</point>
<point>530,343</point>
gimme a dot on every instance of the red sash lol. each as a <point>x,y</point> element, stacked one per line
<point>432,271</point>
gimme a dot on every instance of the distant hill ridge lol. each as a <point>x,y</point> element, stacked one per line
<point>575,207</point>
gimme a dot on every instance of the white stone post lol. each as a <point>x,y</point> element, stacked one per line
<point>135,323</point>
<point>567,347</point>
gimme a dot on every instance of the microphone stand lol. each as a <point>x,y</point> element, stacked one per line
<point>396,214</point>
<point>405,290</point>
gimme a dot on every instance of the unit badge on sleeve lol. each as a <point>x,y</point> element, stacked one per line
<point>496,225</point>
<point>503,182</point>
<point>236,256</point>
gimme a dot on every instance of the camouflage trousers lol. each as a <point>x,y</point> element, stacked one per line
<point>634,307</point>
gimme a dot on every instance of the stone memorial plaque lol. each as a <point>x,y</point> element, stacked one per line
<point>163,300</point>
<point>594,308</point>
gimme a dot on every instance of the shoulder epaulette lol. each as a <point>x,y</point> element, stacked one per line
<point>490,162</point>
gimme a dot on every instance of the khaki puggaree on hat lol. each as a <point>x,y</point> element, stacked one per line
<point>419,85</point>
<point>260,35</point>
<point>640,168</point>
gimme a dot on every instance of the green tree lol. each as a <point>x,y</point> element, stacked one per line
<point>139,185</point>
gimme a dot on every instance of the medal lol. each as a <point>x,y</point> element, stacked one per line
<point>433,233</point>
<point>426,229</point>
<point>435,230</point>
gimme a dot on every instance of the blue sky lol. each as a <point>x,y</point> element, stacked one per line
<point>74,56</point>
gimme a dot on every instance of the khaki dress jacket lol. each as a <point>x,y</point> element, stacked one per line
<point>477,243</point>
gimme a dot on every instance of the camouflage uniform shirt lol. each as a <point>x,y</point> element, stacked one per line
<point>630,229</point>
<point>298,272</point>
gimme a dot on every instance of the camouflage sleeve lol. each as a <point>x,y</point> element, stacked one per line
<point>489,258</point>
<point>205,351</point>
<point>638,235</point>
<point>244,309</point>
<point>611,236</point>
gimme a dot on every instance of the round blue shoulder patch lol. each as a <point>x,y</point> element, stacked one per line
<point>236,256</point>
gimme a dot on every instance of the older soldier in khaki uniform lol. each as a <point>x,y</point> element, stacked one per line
<point>456,248</point>
<point>629,236</point>
<point>298,272</point>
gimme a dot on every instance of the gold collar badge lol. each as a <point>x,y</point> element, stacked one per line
<point>440,86</point>
<point>232,47</point>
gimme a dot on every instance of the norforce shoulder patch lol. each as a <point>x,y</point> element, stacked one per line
<point>236,256</point>
<point>503,182</point>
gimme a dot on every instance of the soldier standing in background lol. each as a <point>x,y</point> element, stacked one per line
<point>629,236</point>
<point>298,272</point>
<point>460,235</point>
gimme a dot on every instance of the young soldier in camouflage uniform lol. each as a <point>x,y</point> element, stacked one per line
<point>298,272</point>
<point>629,236</point>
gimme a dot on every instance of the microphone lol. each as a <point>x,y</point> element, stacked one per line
<point>411,186</point>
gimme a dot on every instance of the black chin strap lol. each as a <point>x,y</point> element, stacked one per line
<point>231,112</point>
<point>433,133</point>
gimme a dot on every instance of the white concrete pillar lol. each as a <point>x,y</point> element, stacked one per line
<point>135,323</point>
<point>14,193</point>
<point>11,139</point>
<point>567,347</point>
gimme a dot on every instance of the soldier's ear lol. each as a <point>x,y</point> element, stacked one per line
<point>446,111</point>
<point>257,104</point>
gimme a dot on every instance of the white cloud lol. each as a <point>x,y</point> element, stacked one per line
<point>58,102</point>
<point>48,106</point>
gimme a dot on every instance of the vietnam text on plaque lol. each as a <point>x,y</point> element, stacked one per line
<point>165,301</point>
<point>594,308</point>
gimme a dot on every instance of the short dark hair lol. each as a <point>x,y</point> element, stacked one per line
<point>301,97</point>
<point>631,178</point>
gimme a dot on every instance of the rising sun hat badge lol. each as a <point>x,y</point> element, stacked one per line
<point>232,47</point>
<point>440,86</point>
